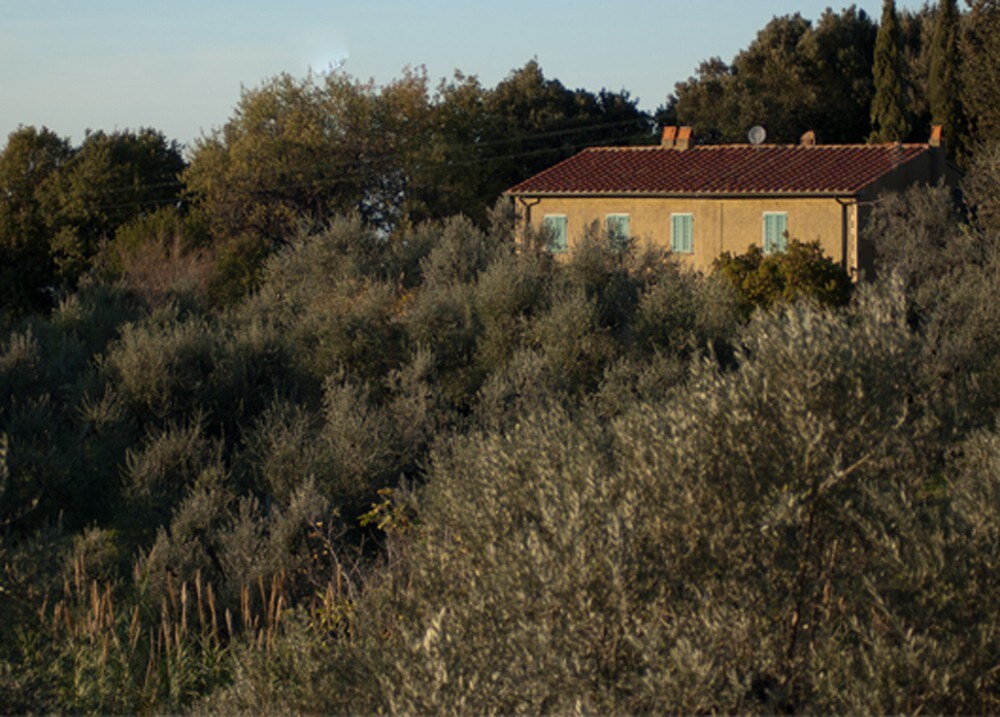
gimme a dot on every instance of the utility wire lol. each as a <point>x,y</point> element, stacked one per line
<point>350,169</point>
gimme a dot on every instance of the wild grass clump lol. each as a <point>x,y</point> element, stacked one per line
<point>122,651</point>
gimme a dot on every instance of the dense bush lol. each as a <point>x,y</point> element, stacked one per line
<point>681,313</point>
<point>802,271</point>
<point>756,543</point>
<point>949,269</point>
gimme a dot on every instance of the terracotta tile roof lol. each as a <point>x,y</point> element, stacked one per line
<point>722,169</point>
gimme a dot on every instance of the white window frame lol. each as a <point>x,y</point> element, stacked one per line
<point>674,245</point>
<point>782,241</point>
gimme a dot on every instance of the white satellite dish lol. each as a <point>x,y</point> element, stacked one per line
<point>757,134</point>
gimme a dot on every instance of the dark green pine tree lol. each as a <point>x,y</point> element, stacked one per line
<point>889,122</point>
<point>943,90</point>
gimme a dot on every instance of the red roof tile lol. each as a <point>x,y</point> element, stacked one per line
<point>721,169</point>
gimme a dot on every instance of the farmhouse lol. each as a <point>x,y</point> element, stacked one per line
<point>699,201</point>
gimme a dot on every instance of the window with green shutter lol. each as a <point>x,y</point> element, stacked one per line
<point>775,232</point>
<point>554,229</point>
<point>618,232</point>
<point>682,233</point>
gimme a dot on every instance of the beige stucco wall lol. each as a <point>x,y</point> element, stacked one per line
<point>720,224</point>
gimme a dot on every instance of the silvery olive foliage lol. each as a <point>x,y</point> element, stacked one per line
<point>436,472</point>
<point>784,537</point>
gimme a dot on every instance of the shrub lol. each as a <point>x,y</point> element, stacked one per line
<point>94,315</point>
<point>281,449</point>
<point>315,261</point>
<point>962,351</point>
<point>949,270</point>
<point>461,252</point>
<point>601,271</point>
<point>982,186</point>
<point>520,613</point>
<point>352,328</point>
<point>521,387</point>
<point>630,380</point>
<point>20,367</point>
<point>161,256</point>
<point>763,540</point>
<point>358,440</point>
<point>95,555</point>
<point>917,235</point>
<point>802,271</point>
<point>681,313</point>
<point>257,362</point>
<point>46,371</point>
<point>417,410</point>
<point>508,294</point>
<point>162,364</point>
<point>576,346</point>
<point>442,319</point>
<point>159,473</point>
<point>350,448</point>
<point>239,263</point>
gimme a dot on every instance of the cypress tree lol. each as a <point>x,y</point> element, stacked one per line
<point>943,82</point>
<point>889,123</point>
<point>981,70</point>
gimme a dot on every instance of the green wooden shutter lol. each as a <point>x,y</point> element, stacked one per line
<point>554,226</point>
<point>682,233</point>
<point>775,228</point>
<point>618,230</point>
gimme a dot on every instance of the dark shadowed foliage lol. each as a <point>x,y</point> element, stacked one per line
<point>800,272</point>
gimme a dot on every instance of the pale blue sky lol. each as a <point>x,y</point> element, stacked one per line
<point>178,65</point>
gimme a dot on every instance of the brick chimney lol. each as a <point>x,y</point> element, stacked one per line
<point>808,139</point>
<point>685,138</point>
<point>936,139</point>
<point>669,137</point>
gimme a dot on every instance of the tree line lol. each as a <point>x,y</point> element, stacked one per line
<point>851,79</point>
<point>296,150</point>
<point>307,149</point>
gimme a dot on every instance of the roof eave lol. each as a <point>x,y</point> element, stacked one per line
<point>815,194</point>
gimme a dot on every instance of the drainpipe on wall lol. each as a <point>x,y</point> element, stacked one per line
<point>722,227</point>
<point>854,238</point>
<point>849,239</point>
<point>527,217</point>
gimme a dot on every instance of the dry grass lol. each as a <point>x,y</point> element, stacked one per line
<point>159,270</point>
<point>119,652</point>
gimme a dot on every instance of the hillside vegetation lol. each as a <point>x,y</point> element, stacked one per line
<point>292,425</point>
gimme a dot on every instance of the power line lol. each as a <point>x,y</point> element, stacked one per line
<point>350,169</point>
